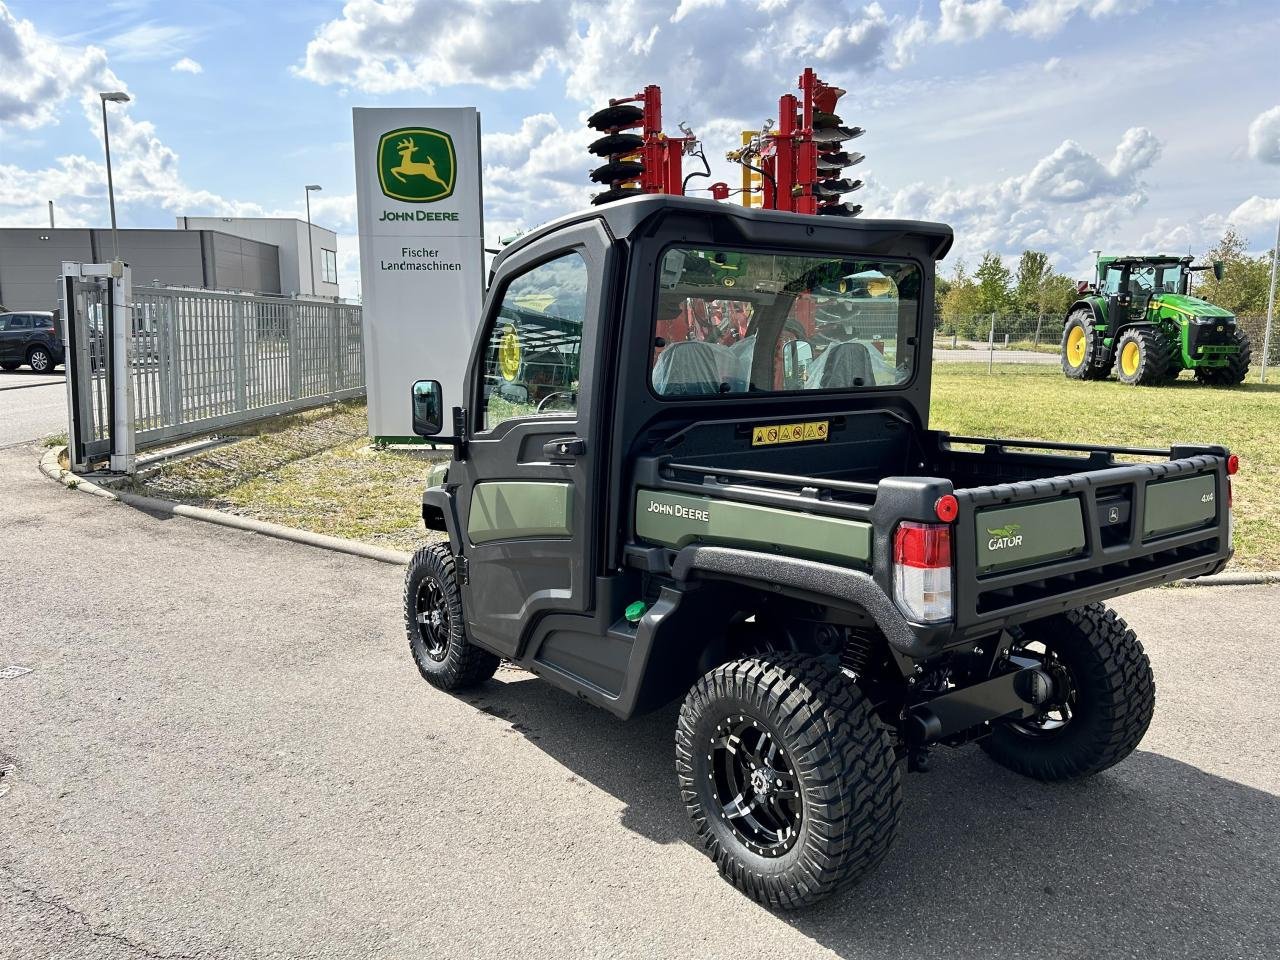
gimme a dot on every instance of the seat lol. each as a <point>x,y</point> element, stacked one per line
<point>690,368</point>
<point>843,365</point>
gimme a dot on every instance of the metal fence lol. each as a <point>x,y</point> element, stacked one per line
<point>203,360</point>
<point>996,339</point>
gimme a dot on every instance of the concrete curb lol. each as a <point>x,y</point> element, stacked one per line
<point>28,386</point>
<point>51,468</point>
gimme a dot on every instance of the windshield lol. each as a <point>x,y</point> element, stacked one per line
<point>1156,277</point>
<point>730,323</point>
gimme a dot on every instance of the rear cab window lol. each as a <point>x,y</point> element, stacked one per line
<point>729,323</point>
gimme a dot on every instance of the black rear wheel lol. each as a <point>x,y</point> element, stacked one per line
<point>40,360</point>
<point>790,779</point>
<point>433,620</point>
<point>1103,697</point>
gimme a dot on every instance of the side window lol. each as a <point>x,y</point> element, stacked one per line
<point>534,342</point>
<point>1111,282</point>
<point>19,321</point>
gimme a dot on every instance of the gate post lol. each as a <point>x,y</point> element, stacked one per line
<point>295,362</point>
<point>122,439</point>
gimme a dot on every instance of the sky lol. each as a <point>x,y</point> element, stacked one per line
<point>1059,125</point>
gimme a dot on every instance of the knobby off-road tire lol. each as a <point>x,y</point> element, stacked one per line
<point>1236,369</point>
<point>1112,697</point>
<point>434,622</point>
<point>1084,355</point>
<point>832,764</point>
<point>1143,357</point>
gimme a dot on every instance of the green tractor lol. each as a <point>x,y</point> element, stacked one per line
<point>1140,318</point>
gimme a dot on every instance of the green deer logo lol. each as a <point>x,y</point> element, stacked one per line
<point>416,164</point>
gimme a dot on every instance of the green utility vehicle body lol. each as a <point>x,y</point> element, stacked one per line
<point>1148,297</point>
<point>682,505</point>
<point>656,493</point>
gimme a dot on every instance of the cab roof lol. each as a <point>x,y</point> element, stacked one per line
<point>624,218</point>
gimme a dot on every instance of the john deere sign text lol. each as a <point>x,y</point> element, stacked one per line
<point>416,164</point>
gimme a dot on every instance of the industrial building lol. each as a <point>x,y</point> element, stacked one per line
<point>308,267</point>
<point>206,252</point>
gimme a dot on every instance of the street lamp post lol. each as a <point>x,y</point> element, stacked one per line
<point>311,254</point>
<point>117,96</point>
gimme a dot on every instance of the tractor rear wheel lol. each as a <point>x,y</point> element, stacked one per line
<point>1237,367</point>
<point>1143,356</point>
<point>1084,355</point>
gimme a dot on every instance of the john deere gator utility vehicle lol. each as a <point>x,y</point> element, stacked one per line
<point>1140,318</point>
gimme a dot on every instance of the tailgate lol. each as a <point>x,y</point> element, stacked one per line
<point>1027,549</point>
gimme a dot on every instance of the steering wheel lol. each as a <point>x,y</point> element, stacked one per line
<point>545,401</point>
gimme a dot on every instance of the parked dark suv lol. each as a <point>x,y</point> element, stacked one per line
<point>32,338</point>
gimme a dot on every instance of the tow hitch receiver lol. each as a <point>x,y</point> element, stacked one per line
<point>1017,694</point>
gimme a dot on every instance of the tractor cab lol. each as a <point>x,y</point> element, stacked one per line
<point>1129,284</point>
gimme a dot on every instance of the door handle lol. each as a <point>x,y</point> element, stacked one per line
<point>564,449</point>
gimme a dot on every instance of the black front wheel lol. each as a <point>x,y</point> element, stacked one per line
<point>1102,701</point>
<point>434,622</point>
<point>790,779</point>
<point>1237,367</point>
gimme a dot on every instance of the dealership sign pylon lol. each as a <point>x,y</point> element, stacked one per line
<point>421,253</point>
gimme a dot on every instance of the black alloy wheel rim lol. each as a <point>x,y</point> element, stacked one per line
<point>754,786</point>
<point>1063,706</point>
<point>434,621</point>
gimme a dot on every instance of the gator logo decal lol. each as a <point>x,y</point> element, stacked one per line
<point>1004,537</point>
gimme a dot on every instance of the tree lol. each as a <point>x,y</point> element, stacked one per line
<point>1243,288</point>
<point>960,305</point>
<point>994,282</point>
<point>1034,274</point>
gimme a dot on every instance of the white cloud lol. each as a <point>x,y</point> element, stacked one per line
<point>38,78</point>
<point>1069,201</point>
<point>36,75</point>
<point>149,41</point>
<point>960,21</point>
<point>187,65</point>
<point>384,45</point>
<point>1264,136</point>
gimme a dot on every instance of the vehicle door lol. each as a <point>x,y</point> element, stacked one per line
<point>527,506</point>
<point>17,331</point>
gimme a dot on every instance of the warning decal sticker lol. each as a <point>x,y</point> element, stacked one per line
<point>789,433</point>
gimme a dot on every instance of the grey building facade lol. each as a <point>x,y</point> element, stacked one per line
<point>31,261</point>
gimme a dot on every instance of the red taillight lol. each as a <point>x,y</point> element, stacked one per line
<point>947,508</point>
<point>922,571</point>
<point>1233,465</point>
<point>923,545</point>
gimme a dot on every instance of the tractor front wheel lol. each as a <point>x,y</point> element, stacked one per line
<point>1084,355</point>
<point>1143,357</point>
<point>1237,367</point>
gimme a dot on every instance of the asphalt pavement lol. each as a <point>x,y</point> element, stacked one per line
<point>223,750</point>
<point>32,405</point>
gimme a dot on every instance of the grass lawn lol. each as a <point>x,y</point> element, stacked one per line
<point>318,470</point>
<point>1039,403</point>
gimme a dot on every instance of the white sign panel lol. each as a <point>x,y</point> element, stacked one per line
<point>421,253</point>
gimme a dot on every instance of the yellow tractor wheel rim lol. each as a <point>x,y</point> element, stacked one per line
<point>1129,358</point>
<point>1075,346</point>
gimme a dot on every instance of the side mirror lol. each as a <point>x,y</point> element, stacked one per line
<point>1219,269</point>
<point>428,408</point>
